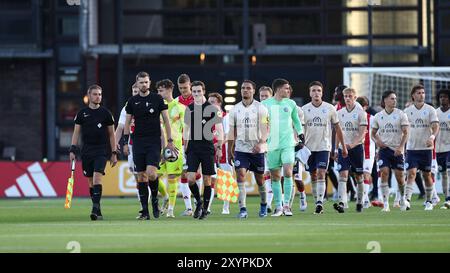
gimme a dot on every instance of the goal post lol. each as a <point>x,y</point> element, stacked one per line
<point>373,81</point>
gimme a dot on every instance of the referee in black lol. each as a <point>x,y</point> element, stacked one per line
<point>199,119</point>
<point>146,108</point>
<point>97,133</point>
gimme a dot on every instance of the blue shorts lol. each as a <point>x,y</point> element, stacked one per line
<point>354,160</point>
<point>318,160</point>
<point>420,159</point>
<point>386,158</point>
<point>249,161</point>
<point>443,161</point>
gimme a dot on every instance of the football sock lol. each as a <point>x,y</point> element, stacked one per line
<point>288,183</point>
<point>342,190</point>
<point>206,197</point>
<point>143,195</point>
<point>262,193</point>
<point>195,191</point>
<point>242,194</point>
<point>276,188</point>
<point>173,190</point>
<point>320,190</point>
<point>360,190</point>
<point>186,192</point>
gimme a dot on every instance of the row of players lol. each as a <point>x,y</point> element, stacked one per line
<point>275,127</point>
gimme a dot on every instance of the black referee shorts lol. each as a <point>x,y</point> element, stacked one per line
<point>93,163</point>
<point>146,152</point>
<point>196,157</point>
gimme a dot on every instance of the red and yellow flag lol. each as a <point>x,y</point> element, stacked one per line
<point>226,186</point>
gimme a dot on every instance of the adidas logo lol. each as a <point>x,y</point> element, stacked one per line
<point>26,188</point>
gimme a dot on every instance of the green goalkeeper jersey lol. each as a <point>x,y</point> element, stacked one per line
<point>176,118</point>
<point>283,116</point>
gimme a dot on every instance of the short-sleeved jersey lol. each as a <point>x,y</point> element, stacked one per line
<point>301,115</point>
<point>283,117</point>
<point>123,119</point>
<point>420,121</point>
<point>94,126</point>
<point>202,119</point>
<point>146,112</point>
<point>443,137</point>
<point>350,122</point>
<point>185,101</point>
<point>246,120</point>
<point>389,127</point>
<point>176,117</point>
<point>318,125</point>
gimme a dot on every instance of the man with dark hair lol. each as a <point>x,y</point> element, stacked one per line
<point>199,119</point>
<point>146,108</point>
<point>96,124</point>
<point>247,144</point>
<point>320,117</point>
<point>390,129</point>
<point>369,155</point>
<point>173,169</point>
<point>424,126</point>
<point>443,142</point>
<point>283,117</point>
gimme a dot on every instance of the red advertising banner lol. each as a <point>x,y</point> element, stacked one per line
<point>37,179</point>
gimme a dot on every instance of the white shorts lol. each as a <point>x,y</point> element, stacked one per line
<point>130,160</point>
<point>368,162</point>
<point>434,166</point>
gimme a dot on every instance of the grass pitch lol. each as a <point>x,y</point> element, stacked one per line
<point>43,225</point>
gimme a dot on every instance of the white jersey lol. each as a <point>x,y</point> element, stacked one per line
<point>443,137</point>
<point>350,122</point>
<point>301,115</point>
<point>123,116</point>
<point>420,121</point>
<point>390,127</point>
<point>246,120</point>
<point>318,125</point>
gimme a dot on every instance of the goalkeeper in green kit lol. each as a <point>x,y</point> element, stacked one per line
<point>283,117</point>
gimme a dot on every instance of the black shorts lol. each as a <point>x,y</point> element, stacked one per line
<point>354,161</point>
<point>146,152</point>
<point>194,158</point>
<point>249,161</point>
<point>93,163</point>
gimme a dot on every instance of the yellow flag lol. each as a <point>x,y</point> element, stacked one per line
<point>226,186</point>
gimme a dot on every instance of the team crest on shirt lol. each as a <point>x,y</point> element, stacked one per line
<point>99,125</point>
<point>394,117</point>
<point>151,110</point>
<point>425,113</point>
<point>355,116</point>
<point>285,109</point>
<point>324,111</point>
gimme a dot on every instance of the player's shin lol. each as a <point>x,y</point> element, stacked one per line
<point>342,190</point>
<point>276,188</point>
<point>173,190</point>
<point>320,190</point>
<point>360,189</point>
<point>242,195</point>
<point>288,183</point>
<point>143,196</point>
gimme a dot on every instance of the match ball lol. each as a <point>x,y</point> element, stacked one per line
<point>169,155</point>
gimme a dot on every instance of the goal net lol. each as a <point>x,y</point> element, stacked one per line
<point>373,81</point>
